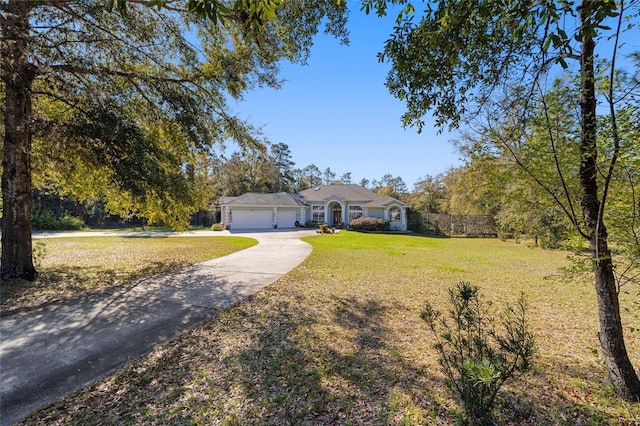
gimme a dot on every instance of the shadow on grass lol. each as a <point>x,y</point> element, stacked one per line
<point>281,360</point>
<point>300,368</point>
<point>71,282</point>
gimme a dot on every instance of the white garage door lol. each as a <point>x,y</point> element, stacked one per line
<point>251,220</point>
<point>286,219</point>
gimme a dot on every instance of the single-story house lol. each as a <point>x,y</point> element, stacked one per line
<point>334,205</point>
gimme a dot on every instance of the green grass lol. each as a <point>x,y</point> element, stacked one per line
<point>72,266</point>
<point>339,340</point>
<point>152,228</point>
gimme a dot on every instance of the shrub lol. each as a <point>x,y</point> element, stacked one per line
<point>218,227</point>
<point>39,250</point>
<point>324,229</point>
<point>70,222</point>
<point>47,220</point>
<point>476,358</point>
<point>369,224</point>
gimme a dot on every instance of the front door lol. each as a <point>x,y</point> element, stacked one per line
<point>337,216</point>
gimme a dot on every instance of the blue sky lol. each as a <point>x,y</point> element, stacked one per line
<point>336,112</point>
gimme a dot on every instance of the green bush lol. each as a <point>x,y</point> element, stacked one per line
<point>369,224</point>
<point>218,227</point>
<point>47,220</point>
<point>476,357</point>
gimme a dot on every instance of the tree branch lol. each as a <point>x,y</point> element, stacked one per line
<point>573,217</point>
<point>614,124</point>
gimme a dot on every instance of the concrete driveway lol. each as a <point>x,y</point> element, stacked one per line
<point>53,351</point>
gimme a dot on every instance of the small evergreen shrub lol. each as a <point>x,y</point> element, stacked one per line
<point>369,224</point>
<point>476,357</point>
<point>47,220</point>
<point>218,227</point>
<point>39,250</point>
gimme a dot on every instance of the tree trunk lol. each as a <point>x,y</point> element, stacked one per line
<point>621,373</point>
<point>18,75</point>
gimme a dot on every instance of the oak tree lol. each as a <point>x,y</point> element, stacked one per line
<point>125,94</point>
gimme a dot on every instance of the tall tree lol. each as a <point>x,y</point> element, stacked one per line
<point>429,194</point>
<point>460,53</point>
<point>346,178</point>
<point>388,184</point>
<point>281,156</point>
<point>307,177</point>
<point>142,68</point>
<point>328,176</point>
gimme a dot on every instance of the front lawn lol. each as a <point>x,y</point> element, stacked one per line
<point>339,341</point>
<point>69,267</point>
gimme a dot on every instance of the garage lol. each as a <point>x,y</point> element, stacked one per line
<point>286,219</point>
<point>251,220</point>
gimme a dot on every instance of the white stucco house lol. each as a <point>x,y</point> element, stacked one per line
<point>331,204</point>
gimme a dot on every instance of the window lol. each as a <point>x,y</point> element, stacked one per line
<point>394,214</point>
<point>355,212</point>
<point>317,214</point>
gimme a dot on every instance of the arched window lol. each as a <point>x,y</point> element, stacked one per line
<point>395,214</point>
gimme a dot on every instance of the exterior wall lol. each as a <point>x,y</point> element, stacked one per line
<point>224,216</point>
<point>375,212</point>
<point>305,214</point>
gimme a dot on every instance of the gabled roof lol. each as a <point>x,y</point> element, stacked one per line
<point>384,201</point>
<point>322,193</point>
<point>264,199</point>
<point>350,192</point>
<point>225,199</point>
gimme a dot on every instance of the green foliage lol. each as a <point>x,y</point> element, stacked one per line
<point>429,194</point>
<point>218,227</point>
<point>306,177</point>
<point>476,358</point>
<point>369,224</point>
<point>129,107</point>
<point>47,220</point>
<point>281,157</point>
<point>250,170</point>
<point>390,185</point>
<point>39,251</point>
<point>623,212</point>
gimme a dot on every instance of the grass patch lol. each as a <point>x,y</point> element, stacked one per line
<point>71,266</point>
<point>125,229</point>
<point>339,340</point>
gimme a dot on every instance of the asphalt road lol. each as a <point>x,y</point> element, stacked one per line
<point>55,350</point>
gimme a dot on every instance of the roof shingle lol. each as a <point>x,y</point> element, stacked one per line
<point>264,199</point>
